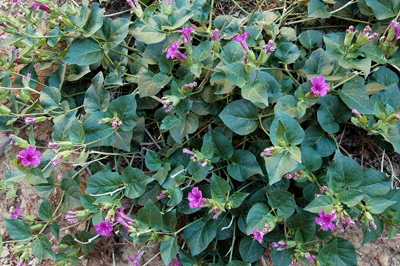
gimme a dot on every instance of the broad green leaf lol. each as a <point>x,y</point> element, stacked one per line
<point>146,85</point>
<point>95,20</point>
<point>331,112</point>
<point>198,235</point>
<point>322,203</point>
<point>97,134</point>
<point>283,201</point>
<point>177,19</point>
<point>42,249</point>
<point>236,74</point>
<point>45,210</point>
<point>243,164</point>
<point>160,80</point>
<point>293,133</point>
<point>96,97</point>
<point>232,53</point>
<point>379,205</point>
<point>188,126</point>
<point>222,145</point>
<point>350,197</point>
<point>257,93</point>
<point>50,98</point>
<point>169,249</point>
<point>344,172</point>
<point>355,96</point>
<point>203,50</point>
<point>316,138</point>
<point>18,230</point>
<point>152,161</point>
<point>287,52</point>
<point>72,196</point>
<point>317,9</point>
<point>363,64</point>
<point>77,133</point>
<point>374,234</point>
<point>228,25</point>
<point>114,32</point>
<point>310,158</point>
<point>392,136</point>
<point>150,216</point>
<point>103,182</point>
<point>237,198</point>
<point>240,116</point>
<point>334,45</point>
<point>375,183</point>
<point>136,181</point>
<point>176,196</point>
<point>384,9</point>
<point>250,250</point>
<point>319,64</point>
<point>373,52</point>
<point>257,217</point>
<point>84,52</point>
<point>278,165</point>
<point>219,188</point>
<point>338,251</point>
<point>310,39</point>
<point>124,107</point>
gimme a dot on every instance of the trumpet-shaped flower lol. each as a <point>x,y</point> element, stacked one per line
<point>196,199</point>
<point>186,35</point>
<point>30,156</point>
<point>319,86</point>
<point>325,221</point>
<point>173,53</point>
<point>242,40</point>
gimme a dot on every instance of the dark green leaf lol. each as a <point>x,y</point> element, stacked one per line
<point>240,117</point>
<point>250,250</point>
<point>283,201</point>
<point>149,215</point>
<point>96,98</point>
<point>18,230</point>
<point>198,235</point>
<point>84,52</point>
<point>243,164</point>
<point>42,249</point>
<point>169,249</point>
<point>45,210</point>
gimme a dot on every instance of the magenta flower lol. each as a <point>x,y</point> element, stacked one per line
<point>344,222</point>
<point>196,199</point>
<point>104,229</point>
<point>356,113</point>
<point>242,40</point>
<point>30,156</point>
<point>168,2</point>
<point>139,256</point>
<point>71,218</point>
<point>186,35</point>
<point>18,214</point>
<point>190,153</point>
<point>133,4</point>
<point>29,120</point>
<point>320,87</point>
<point>173,53</point>
<point>370,223</point>
<point>41,7</point>
<point>268,49</point>
<point>56,160</point>
<point>258,235</point>
<point>310,258</point>
<point>190,86</point>
<point>325,221</point>
<point>124,219</point>
<point>398,116</point>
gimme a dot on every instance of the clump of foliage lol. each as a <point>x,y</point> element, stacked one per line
<point>240,114</point>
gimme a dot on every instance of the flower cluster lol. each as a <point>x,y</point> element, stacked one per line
<point>104,228</point>
<point>124,220</point>
<point>267,152</point>
<point>295,176</point>
<point>311,258</point>
<point>116,123</point>
<point>185,35</point>
<point>196,157</point>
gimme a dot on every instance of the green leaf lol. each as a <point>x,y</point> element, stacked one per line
<point>95,20</point>
<point>96,133</point>
<point>18,230</point>
<point>256,93</point>
<point>373,52</point>
<point>84,237</point>
<point>344,172</point>
<point>287,52</point>
<point>317,9</point>
<point>331,111</point>
<point>232,53</point>
<point>177,19</point>
<point>103,182</point>
<point>169,220</point>
<point>250,250</point>
<point>355,96</point>
<point>243,164</point>
<point>316,138</point>
<point>240,117</point>
<point>319,64</point>
<point>278,165</point>
<point>338,252</point>
<point>45,210</point>
<point>283,201</point>
<point>293,133</point>
<point>50,98</point>
<point>124,107</point>
<point>169,249</point>
<point>198,172</point>
<point>237,199</point>
<point>176,196</point>
<point>188,126</point>
<point>310,158</point>
<point>84,52</point>
<point>136,180</point>
<point>72,196</point>
<point>236,74</point>
<point>257,217</point>
<point>238,263</point>
<point>363,64</point>
<point>152,161</point>
<point>96,97</point>
<point>160,80</point>
<point>379,205</point>
<point>384,9</point>
<point>150,216</point>
<point>42,249</point>
<point>334,45</point>
<point>77,133</point>
<point>374,234</point>
<point>146,86</point>
<point>310,39</point>
<point>351,197</point>
<point>283,257</point>
<point>322,203</point>
<point>219,188</point>
<point>222,145</point>
<point>393,137</point>
<point>203,50</point>
<point>228,25</point>
<point>199,234</point>
<point>375,183</point>
<point>114,32</point>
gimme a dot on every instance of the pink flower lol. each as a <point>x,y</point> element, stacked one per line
<point>356,113</point>
<point>320,87</point>
<point>177,263</point>
<point>186,35</point>
<point>29,120</point>
<point>41,7</point>
<point>173,53</point>
<point>398,116</point>
<point>344,222</point>
<point>71,218</point>
<point>267,152</point>
<point>216,35</point>
<point>104,229</point>
<point>257,235</point>
<point>116,123</point>
<point>56,160</point>
<point>168,2</point>
<point>30,156</point>
<point>124,219</point>
<point>196,198</point>
<point>268,49</point>
<point>190,86</point>
<point>18,214</point>
<point>325,221</point>
<point>133,4</point>
<point>242,40</point>
<point>280,246</point>
<point>310,258</point>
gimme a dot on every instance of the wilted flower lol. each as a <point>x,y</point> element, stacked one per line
<point>242,40</point>
<point>41,7</point>
<point>30,156</point>
<point>320,87</point>
<point>259,235</point>
<point>133,4</point>
<point>202,164</point>
<point>370,223</point>
<point>356,113</point>
<point>56,160</point>
<point>186,35</point>
<point>168,105</point>
<point>18,214</point>
<point>310,258</point>
<point>324,189</point>
<point>398,116</point>
<point>30,120</point>
<point>215,36</point>
<point>190,153</point>
<point>280,246</point>
<point>190,86</point>
<point>344,222</point>
<point>325,221</point>
<point>104,229</point>
<point>268,49</point>
<point>116,123</point>
<point>196,199</point>
<point>124,219</point>
<point>174,53</point>
<point>53,145</point>
<point>267,152</point>
<point>74,217</point>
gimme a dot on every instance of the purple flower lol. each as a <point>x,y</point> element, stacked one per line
<point>161,196</point>
<point>133,4</point>
<point>168,105</point>
<point>41,7</point>
<point>242,40</point>
<point>139,256</point>
<point>280,246</point>
<point>17,214</point>
<point>124,219</point>
<point>196,199</point>
<point>29,120</point>
<point>320,87</point>
<point>189,86</point>
<point>356,113</point>
<point>71,218</point>
<point>104,229</point>
<point>310,258</point>
<point>324,189</point>
<point>116,123</point>
<point>370,223</point>
<point>325,221</point>
<point>268,49</point>
<point>27,78</point>
<point>367,30</point>
<point>53,145</point>
<point>30,156</point>
<point>173,53</point>
<point>344,222</point>
<point>202,164</point>
<point>257,235</point>
<point>373,36</point>
<point>397,35</point>
<point>350,30</point>
<point>216,35</point>
<point>14,1</point>
<point>190,153</point>
<point>186,35</point>
<point>56,160</point>
<point>267,152</point>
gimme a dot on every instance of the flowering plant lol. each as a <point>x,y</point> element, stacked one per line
<point>221,131</point>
